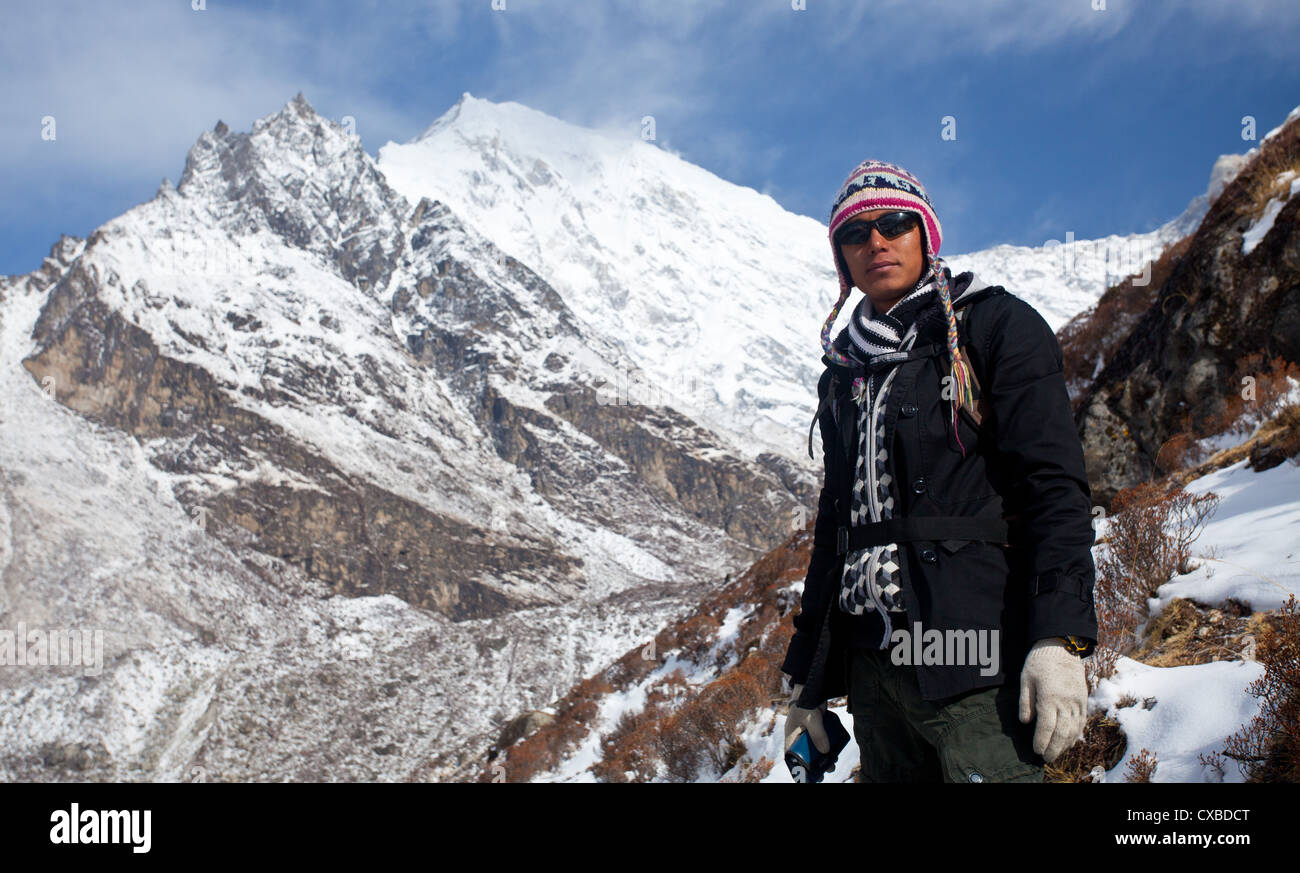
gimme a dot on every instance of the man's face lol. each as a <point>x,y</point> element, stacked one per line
<point>885,269</point>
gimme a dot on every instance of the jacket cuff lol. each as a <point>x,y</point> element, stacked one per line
<point>798,658</point>
<point>1061,605</point>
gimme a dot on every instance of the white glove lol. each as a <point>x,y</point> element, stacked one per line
<point>808,719</point>
<point>1053,684</point>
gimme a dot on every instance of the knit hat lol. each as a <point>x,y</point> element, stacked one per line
<point>875,185</point>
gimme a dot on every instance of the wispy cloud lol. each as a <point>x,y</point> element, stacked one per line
<point>130,86</point>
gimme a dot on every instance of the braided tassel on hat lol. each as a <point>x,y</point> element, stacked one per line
<point>958,389</point>
<point>860,383</point>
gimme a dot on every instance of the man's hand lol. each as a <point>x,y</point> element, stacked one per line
<point>808,719</point>
<point>1053,684</point>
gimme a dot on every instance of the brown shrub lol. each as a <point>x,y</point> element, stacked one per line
<point>1268,749</point>
<point>1213,761</point>
<point>1259,386</point>
<point>679,746</point>
<point>1178,452</point>
<point>755,771</point>
<point>697,634</point>
<point>704,729</point>
<point>1141,766</point>
<point>629,748</point>
<point>546,747</point>
<point>1150,534</point>
<point>1149,538</point>
<point>1101,665</point>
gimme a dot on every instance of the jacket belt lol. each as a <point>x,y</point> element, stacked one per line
<point>924,527</point>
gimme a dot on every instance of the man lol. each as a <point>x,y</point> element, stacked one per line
<point>949,593</point>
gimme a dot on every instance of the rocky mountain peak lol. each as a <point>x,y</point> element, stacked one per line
<point>304,179</point>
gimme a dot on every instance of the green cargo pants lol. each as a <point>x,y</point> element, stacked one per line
<point>975,736</point>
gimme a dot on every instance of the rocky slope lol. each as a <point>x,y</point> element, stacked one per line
<point>1229,303</point>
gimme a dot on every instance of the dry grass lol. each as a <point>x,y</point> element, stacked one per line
<point>1260,184</point>
<point>1187,632</point>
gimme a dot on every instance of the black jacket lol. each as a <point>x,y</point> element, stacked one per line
<point>1024,463</point>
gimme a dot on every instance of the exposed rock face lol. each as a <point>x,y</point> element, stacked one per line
<point>342,530</point>
<point>1219,304</point>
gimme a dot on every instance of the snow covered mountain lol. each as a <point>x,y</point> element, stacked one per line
<point>713,290</point>
<point>297,447</point>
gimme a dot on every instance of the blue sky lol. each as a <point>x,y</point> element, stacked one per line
<point>1068,117</point>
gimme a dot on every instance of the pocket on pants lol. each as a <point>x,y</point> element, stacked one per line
<point>983,740</point>
<point>890,749</point>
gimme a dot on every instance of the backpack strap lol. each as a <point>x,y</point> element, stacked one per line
<point>830,393</point>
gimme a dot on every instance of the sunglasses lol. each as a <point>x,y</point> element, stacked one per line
<point>891,226</point>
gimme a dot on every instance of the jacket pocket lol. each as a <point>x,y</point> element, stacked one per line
<point>968,584</point>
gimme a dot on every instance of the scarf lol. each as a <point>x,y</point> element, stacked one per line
<point>871,333</point>
<point>872,577</point>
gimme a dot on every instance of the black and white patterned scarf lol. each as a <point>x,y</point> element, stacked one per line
<point>871,576</point>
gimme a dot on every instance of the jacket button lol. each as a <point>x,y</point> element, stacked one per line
<point>928,556</point>
<point>908,410</point>
<point>918,485</point>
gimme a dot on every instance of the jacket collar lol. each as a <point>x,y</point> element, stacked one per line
<point>967,286</point>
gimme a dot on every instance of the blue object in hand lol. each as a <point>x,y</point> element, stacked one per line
<point>801,756</point>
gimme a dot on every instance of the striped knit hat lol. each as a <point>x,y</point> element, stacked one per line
<point>875,185</point>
